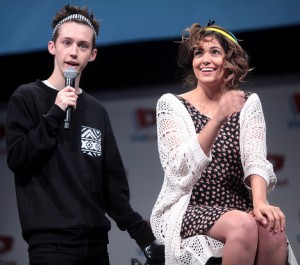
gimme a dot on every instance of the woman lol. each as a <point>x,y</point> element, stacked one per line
<point>212,146</point>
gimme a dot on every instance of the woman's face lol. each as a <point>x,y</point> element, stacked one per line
<point>208,62</point>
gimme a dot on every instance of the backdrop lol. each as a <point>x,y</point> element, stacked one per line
<point>26,25</point>
<point>133,120</point>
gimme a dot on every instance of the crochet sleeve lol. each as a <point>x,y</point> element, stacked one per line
<point>253,142</point>
<point>180,153</point>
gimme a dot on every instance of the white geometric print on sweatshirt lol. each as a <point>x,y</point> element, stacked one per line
<point>91,141</point>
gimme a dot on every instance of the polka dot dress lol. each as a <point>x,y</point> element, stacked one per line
<point>221,187</point>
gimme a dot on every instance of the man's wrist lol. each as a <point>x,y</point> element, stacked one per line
<point>155,253</point>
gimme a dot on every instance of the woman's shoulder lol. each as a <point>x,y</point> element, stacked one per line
<point>167,97</point>
<point>251,97</point>
<point>252,106</point>
<point>168,101</point>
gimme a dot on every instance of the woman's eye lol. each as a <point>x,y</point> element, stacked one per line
<point>197,52</point>
<point>216,52</point>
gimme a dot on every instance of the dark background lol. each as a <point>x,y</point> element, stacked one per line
<point>273,51</point>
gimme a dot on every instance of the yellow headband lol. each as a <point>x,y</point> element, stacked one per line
<point>229,36</point>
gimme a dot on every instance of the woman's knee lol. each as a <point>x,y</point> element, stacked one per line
<point>271,239</point>
<point>245,227</point>
<point>237,225</point>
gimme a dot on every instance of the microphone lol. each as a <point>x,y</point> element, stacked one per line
<point>70,75</point>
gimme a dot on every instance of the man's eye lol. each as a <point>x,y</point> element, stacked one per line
<point>83,46</point>
<point>66,42</point>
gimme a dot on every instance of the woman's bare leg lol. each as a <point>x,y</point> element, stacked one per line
<point>272,248</point>
<point>240,233</point>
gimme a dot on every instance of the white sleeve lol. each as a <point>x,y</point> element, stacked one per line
<point>180,153</point>
<point>253,142</point>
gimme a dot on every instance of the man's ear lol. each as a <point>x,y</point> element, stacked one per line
<point>93,55</point>
<point>51,47</point>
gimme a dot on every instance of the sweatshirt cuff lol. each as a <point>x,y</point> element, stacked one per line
<point>146,238</point>
<point>54,117</point>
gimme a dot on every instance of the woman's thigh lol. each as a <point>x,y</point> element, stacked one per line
<point>231,222</point>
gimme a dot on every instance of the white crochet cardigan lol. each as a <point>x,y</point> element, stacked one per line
<point>183,161</point>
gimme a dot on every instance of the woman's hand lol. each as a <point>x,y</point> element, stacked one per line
<point>230,103</point>
<point>270,216</point>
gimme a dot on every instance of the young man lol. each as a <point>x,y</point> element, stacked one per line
<point>68,176</point>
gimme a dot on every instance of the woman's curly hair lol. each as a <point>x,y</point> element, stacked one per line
<point>236,61</point>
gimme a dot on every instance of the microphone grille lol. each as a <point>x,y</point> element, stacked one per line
<point>70,73</point>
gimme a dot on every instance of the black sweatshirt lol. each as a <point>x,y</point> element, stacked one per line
<point>67,180</point>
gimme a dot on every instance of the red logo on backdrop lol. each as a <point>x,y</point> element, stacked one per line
<point>144,123</point>
<point>277,161</point>
<point>294,122</point>
<point>145,117</point>
<point>6,244</point>
<point>278,164</point>
<point>297,102</point>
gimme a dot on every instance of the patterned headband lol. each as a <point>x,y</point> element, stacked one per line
<point>76,17</point>
<point>229,35</point>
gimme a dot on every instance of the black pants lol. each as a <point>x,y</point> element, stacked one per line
<point>69,255</point>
